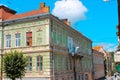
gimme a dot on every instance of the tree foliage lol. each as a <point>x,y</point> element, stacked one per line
<point>118,46</point>
<point>117,66</point>
<point>112,56</point>
<point>14,64</point>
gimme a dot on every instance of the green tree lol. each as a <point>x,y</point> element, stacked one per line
<point>112,62</point>
<point>112,56</point>
<point>118,47</point>
<point>14,64</point>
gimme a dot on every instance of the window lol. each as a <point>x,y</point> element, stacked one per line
<point>82,77</point>
<point>70,44</point>
<point>63,79</point>
<point>79,77</point>
<point>29,67</point>
<point>29,38</point>
<point>39,63</point>
<point>17,38</point>
<point>67,64</point>
<point>86,77</point>
<point>8,41</point>
<point>39,37</point>
<point>71,78</point>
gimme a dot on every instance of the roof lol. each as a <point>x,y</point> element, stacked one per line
<point>31,13</point>
<point>97,48</point>
<point>6,8</point>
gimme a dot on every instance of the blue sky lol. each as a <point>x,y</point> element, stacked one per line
<point>95,19</point>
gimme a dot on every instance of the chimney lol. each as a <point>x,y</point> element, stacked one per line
<point>44,8</point>
<point>66,21</point>
<point>6,12</point>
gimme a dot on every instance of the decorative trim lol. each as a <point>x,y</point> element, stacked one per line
<point>25,47</point>
<point>24,27</point>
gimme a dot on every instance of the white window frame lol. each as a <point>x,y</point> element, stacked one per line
<point>8,41</point>
<point>40,62</point>
<point>70,44</point>
<point>17,40</point>
<point>29,66</point>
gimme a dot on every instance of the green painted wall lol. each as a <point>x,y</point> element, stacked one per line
<point>38,28</point>
<point>59,36</point>
<point>46,63</point>
<point>40,37</point>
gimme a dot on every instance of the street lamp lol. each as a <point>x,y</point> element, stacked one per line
<point>75,49</point>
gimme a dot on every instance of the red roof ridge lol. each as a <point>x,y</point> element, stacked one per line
<point>97,48</point>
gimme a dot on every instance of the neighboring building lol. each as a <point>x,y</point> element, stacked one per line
<point>117,59</point>
<point>107,59</point>
<point>100,49</point>
<point>48,43</point>
<point>117,55</point>
<point>99,67</point>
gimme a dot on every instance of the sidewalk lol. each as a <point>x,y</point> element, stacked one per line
<point>112,78</point>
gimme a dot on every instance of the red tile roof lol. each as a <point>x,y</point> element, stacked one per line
<point>31,13</point>
<point>97,48</point>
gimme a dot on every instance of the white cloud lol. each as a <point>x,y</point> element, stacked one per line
<point>106,0</point>
<point>73,10</point>
<point>107,46</point>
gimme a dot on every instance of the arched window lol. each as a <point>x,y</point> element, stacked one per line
<point>39,63</point>
<point>86,77</point>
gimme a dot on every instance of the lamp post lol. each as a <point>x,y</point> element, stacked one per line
<point>75,49</point>
<point>74,55</point>
<point>74,67</point>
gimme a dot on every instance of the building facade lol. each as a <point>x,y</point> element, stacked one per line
<point>55,51</point>
<point>99,67</point>
<point>117,60</point>
<point>107,60</point>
